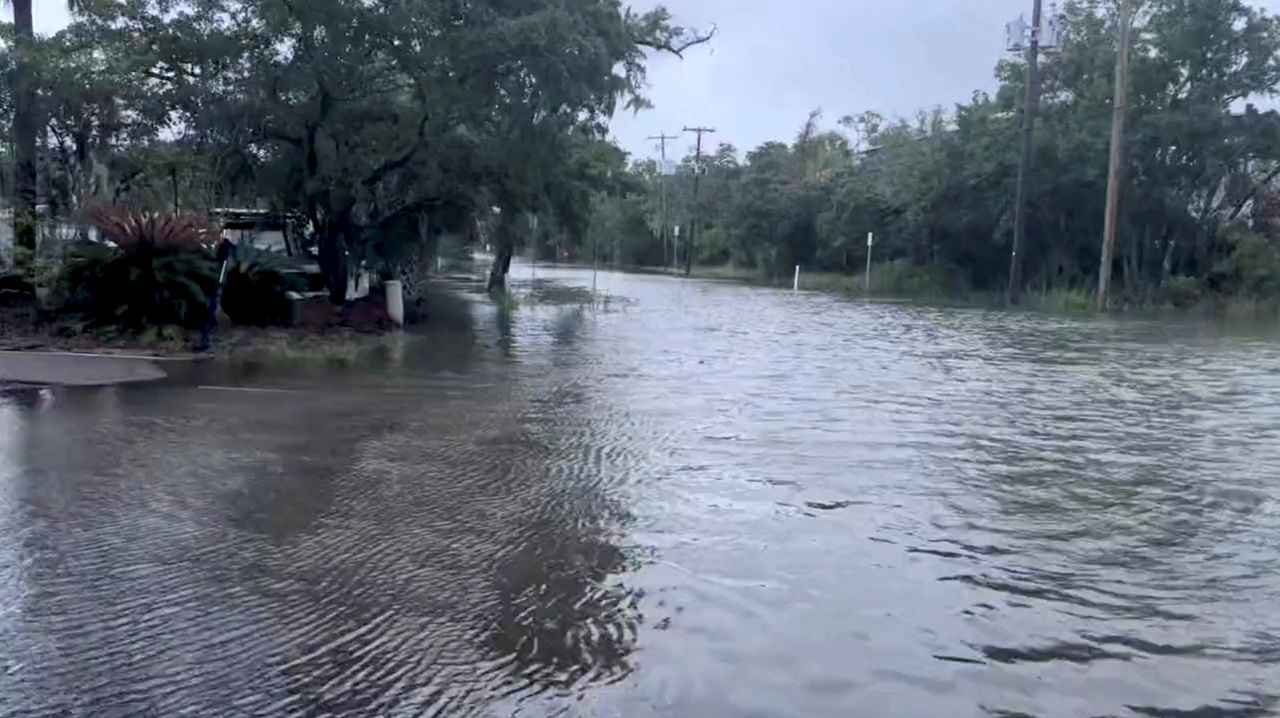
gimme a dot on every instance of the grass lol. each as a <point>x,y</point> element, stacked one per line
<point>286,345</point>
<point>505,300</point>
<point>903,280</point>
<point>1242,307</point>
<point>892,279</point>
<point>1063,301</point>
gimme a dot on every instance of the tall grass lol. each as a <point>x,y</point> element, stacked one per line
<point>1065,300</point>
<point>898,279</point>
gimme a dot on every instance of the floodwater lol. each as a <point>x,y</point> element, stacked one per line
<point>696,499</point>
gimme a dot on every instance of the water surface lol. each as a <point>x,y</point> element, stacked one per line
<point>696,499</point>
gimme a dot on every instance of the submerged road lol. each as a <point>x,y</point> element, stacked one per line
<point>696,499</point>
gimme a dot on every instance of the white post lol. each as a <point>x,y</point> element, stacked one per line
<point>675,250</point>
<point>395,302</point>
<point>797,284</point>
<point>871,240</point>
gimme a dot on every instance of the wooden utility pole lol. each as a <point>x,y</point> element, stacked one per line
<point>1029,110</point>
<point>697,175</point>
<point>662,138</point>
<point>1115,174</point>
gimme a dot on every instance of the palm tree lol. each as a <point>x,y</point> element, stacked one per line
<point>26,124</point>
<point>24,132</point>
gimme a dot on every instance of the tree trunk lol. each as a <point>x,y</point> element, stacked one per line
<point>333,260</point>
<point>82,173</point>
<point>504,242</point>
<point>1129,261</point>
<point>1166,266</point>
<point>501,265</point>
<point>25,129</point>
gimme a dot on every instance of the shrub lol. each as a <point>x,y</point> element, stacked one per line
<point>1252,270</point>
<point>133,229</point>
<point>902,278</point>
<point>257,288</point>
<point>1065,299</point>
<point>154,269</point>
<point>1183,292</point>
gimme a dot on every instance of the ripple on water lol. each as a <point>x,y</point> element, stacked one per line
<point>704,499</point>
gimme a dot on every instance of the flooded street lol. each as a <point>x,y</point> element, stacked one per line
<point>697,499</point>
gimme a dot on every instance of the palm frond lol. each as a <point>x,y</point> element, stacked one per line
<point>128,229</point>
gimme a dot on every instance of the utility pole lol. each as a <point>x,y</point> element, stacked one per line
<point>1115,176</point>
<point>662,138</point>
<point>697,175</point>
<point>1029,110</point>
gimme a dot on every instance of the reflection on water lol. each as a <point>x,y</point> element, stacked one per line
<point>701,499</point>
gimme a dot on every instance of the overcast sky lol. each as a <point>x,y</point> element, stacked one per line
<point>772,62</point>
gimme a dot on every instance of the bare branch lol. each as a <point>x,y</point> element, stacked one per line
<point>679,42</point>
<point>390,166</point>
<point>1253,194</point>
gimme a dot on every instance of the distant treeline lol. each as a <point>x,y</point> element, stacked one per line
<point>1200,213</point>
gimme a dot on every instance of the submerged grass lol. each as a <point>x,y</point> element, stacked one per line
<point>1063,300</point>
<point>904,280</point>
<point>899,280</point>
<point>290,346</point>
<point>506,300</point>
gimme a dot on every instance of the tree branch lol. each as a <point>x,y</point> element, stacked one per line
<point>1239,208</point>
<point>677,44</point>
<point>271,133</point>
<point>392,165</point>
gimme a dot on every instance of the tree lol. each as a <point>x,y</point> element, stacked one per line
<point>25,128</point>
<point>387,125</point>
<point>383,123</point>
<point>25,124</point>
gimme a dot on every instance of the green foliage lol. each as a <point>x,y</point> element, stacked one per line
<point>140,286</point>
<point>1065,300</point>
<point>388,126</point>
<point>257,287</point>
<point>937,189</point>
<point>361,117</point>
<point>1183,292</point>
<point>904,278</point>
<point>154,269</point>
<point>1252,269</point>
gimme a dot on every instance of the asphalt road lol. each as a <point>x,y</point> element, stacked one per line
<point>62,369</point>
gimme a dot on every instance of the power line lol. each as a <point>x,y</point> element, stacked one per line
<point>697,175</point>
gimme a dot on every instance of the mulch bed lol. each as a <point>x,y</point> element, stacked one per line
<point>365,316</point>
